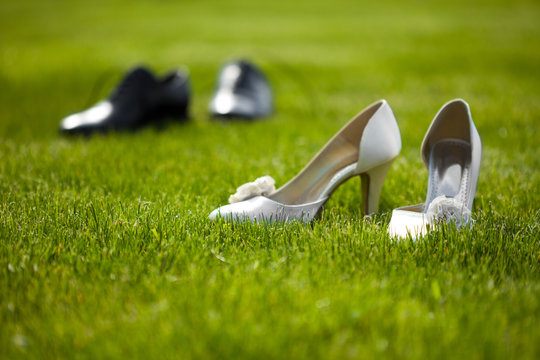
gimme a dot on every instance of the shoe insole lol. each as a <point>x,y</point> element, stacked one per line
<point>322,175</point>
<point>335,163</point>
<point>449,170</point>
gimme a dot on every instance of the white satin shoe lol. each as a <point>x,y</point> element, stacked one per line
<point>366,146</point>
<point>451,151</point>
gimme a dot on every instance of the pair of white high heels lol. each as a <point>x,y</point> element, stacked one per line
<point>366,146</point>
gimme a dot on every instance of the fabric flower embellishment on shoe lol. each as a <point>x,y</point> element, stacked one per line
<point>263,186</point>
<point>414,221</point>
<point>448,210</point>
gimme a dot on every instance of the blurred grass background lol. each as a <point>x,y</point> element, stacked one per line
<point>105,248</point>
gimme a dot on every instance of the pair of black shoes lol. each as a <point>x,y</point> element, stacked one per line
<point>242,91</point>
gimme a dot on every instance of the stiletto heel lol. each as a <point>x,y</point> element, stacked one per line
<point>372,183</point>
<point>365,146</point>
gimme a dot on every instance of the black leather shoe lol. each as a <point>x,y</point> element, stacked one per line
<point>242,91</point>
<point>139,99</point>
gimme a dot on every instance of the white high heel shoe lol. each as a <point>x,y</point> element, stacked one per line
<point>451,151</point>
<point>366,146</point>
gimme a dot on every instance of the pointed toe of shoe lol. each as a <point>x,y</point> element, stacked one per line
<point>255,209</point>
<point>229,212</point>
<point>408,221</point>
<point>264,210</point>
<point>215,215</point>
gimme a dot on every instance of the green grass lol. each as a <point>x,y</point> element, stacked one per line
<point>105,247</point>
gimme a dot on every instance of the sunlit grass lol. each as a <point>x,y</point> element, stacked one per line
<point>105,247</point>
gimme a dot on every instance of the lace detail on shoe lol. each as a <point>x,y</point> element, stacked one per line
<point>449,210</point>
<point>264,186</point>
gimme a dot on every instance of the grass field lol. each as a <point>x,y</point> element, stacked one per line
<point>105,246</point>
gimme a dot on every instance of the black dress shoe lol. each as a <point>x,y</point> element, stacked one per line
<point>242,91</point>
<point>139,99</point>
